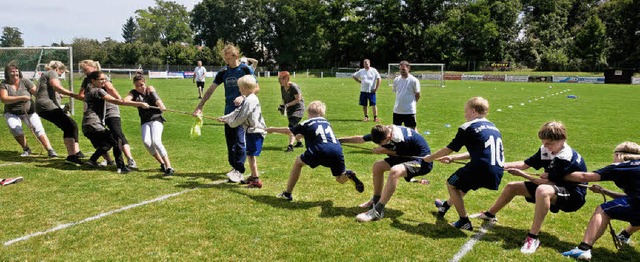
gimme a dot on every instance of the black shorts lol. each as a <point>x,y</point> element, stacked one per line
<point>294,121</point>
<point>414,166</point>
<point>466,178</point>
<point>409,120</point>
<point>199,84</point>
<point>334,162</point>
<point>567,200</point>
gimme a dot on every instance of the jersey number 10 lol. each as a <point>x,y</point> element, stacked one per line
<point>497,152</point>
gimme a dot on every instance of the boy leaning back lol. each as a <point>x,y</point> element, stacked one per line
<point>484,147</point>
<point>322,149</point>
<point>249,115</point>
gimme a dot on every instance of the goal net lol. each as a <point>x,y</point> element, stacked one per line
<point>429,74</point>
<point>32,60</point>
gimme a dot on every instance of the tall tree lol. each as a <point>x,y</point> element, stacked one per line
<point>167,22</point>
<point>622,21</point>
<point>130,30</point>
<point>11,37</point>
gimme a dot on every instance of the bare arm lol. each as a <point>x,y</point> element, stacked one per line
<point>279,130</point>
<point>253,62</point>
<point>298,98</point>
<point>352,139</point>
<point>517,165</point>
<point>445,151</point>
<point>55,83</point>
<point>377,85</point>
<point>7,99</point>
<point>206,97</point>
<point>112,90</point>
<point>357,79</point>
<point>451,158</point>
<point>417,97</point>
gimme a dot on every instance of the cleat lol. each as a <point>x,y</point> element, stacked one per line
<point>441,209</point>
<point>26,152</point>
<point>462,225</point>
<point>289,149</point>
<point>169,172</point>
<point>234,176</point>
<point>368,204</point>
<point>531,244</point>
<point>578,254</point>
<point>9,181</point>
<point>371,215</point>
<point>285,196</point>
<point>358,184</point>
<point>73,160</point>
<point>484,217</point>
<point>132,164</point>
<point>123,170</point>
<point>52,153</point>
<point>298,144</point>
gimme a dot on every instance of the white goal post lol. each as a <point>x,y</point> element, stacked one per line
<point>32,60</point>
<point>429,74</point>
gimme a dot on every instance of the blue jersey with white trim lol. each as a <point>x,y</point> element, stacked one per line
<point>558,165</point>
<point>229,76</point>
<point>318,136</point>
<point>626,176</point>
<point>407,142</point>
<point>483,141</point>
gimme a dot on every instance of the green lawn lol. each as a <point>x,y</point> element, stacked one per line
<point>211,220</point>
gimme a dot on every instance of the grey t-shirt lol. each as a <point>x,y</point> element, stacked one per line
<point>22,107</point>
<point>112,109</point>
<point>93,119</point>
<point>47,98</point>
<point>296,110</point>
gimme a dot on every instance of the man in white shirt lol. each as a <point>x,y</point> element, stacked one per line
<point>407,89</point>
<point>369,80</point>
<point>199,77</point>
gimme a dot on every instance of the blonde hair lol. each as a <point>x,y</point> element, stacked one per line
<point>628,150</point>
<point>248,82</point>
<point>54,65</point>
<point>553,130</point>
<point>231,48</point>
<point>317,108</point>
<point>479,104</point>
<point>91,63</point>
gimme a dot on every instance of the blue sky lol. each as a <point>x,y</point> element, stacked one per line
<point>43,22</point>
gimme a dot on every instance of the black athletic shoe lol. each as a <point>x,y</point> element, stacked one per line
<point>169,172</point>
<point>80,154</point>
<point>123,170</point>
<point>352,176</point>
<point>299,144</point>
<point>73,160</point>
<point>163,168</point>
<point>289,149</point>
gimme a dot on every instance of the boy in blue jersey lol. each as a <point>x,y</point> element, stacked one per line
<point>235,136</point>
<point>322,149</point>
<point>625,173</point>
<point>484,147</point>
<point>550,191</point>
<point>405,149</point>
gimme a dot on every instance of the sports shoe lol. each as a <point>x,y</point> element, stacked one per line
<point>368,204</point>
<point>354,179</point>
<point>80,154</point>
<point>169,172</point>
<point>578,254</point>
<point>441,209</point>
<point>52,153</point>
<point>256,183</point>
<point>298,144</point>
<point>377,120</point>
<point>234,176</point>
<point>163,167</point>
<point>366,119</point>
<point>8,181</point>
<point>92,163</point>
<point>132,163</point>
<point>248,180</point>
<point>371,215</point>
<point>623,239</point>
<point>462,225</point>
<point>531,244</point>
<point>484,217</point>
<point>123,170</point>
<point>289,149</point>
<point>26,152</point>
<point>73,160</point>
<point>285,196</point>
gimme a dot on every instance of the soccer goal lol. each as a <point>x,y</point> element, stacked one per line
<point>346,72</point>
<point>429,74</point>
<point>32,60</point>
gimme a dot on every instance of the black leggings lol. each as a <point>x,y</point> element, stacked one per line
<point>114,124</point>
<point>62,121</point>
<point>102,141</point>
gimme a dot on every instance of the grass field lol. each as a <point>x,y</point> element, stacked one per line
<point>207,219</point>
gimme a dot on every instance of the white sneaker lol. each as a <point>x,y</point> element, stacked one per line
<point>371,215</point>
<point>484,217</point>
<point>235,176</point>
<point>8,181</point>
<point>578,254</point>
<point>530,245</point>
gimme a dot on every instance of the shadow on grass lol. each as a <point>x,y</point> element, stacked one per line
<point>196,179</point>
<point>14,156</point>
<point>441,229</point>
<point>326,206</point>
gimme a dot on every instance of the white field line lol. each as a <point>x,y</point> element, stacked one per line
<point>63,226</point>
<point>469,244</point>
<point>11,164</point>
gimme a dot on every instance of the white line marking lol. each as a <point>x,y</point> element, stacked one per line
<point>11,164</point>
<point>63,226</point>
<point>469,244</point>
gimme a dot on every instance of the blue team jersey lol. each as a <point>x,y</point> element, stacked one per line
<point>407,142</point>
<point>626,176</point>
<point>484,144</point>
<point>559,165</point>
<point>229,76</point>
<point>318,137</point>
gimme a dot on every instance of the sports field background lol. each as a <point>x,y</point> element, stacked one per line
<point>211,220</point>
